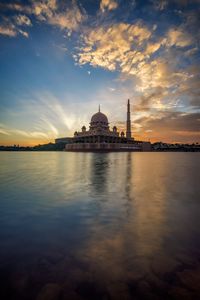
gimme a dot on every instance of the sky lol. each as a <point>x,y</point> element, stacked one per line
<point>60,59</point>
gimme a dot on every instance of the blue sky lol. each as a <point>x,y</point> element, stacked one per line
<point>60,59</point>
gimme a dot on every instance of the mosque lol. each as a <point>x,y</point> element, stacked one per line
<point>99,137</point>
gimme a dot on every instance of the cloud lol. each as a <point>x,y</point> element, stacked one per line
<point>51,126</point>
<point>43,9</point>
<point>177,37</point>
<point>140,54</point>
<point>151,62</point>
<point>24,133</point>
<point>69,19</point>
<point>160,4</point>
<point>131,49</point>
<point>191,51</point>
<point>24,33</point>
<point>112,47</point>
<point>23,20</point>
<point>38,134</point>
<point>49,11</point>
<point>48,119</point>
<point>108,5</point>
<point>9,31</point>
<point>54,106</point>
<point>191,87</point>
<point>149,100</point>
<point>153,47</point>
<point>12,26</point>
<point>174,121</point>
<point>172,126</point>
<point>54,117</point>
<point>16,7</point>
<point>4,131</point>
<point>151,74</point>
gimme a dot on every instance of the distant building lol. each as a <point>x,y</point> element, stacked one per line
<point>99,137</point>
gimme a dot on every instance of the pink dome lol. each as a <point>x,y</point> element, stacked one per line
<point>99,117</point>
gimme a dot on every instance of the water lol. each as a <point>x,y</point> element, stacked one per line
<point>99,226</point>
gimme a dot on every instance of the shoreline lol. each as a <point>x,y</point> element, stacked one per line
<point>96,151</point>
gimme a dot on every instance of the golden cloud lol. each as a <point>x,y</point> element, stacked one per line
<point>108,4</point>
<point>46,11</point>
<point>112,46</point>
<point>11,27</point>
<point>153,47</point>
<point>128,48</point>
<point>9,31</point>
<point>177,37</point>
<point>152,74</point>
<point>70,19</point>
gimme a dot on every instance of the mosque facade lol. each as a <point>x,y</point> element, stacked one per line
<point>99,137</point>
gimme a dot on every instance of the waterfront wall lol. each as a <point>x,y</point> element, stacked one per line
<point>102,147</point>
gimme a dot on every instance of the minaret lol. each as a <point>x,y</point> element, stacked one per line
<point>128,122</point>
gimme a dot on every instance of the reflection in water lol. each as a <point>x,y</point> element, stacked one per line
<point>121,249</point>
<point>150,204</point>
<point>99,226</point>
<point>99,173</point>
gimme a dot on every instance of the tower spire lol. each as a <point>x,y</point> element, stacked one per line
<point>128,121</point>
<point>99,108</point>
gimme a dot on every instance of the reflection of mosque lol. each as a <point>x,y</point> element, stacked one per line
<point>125,223</point>
<point>99,173</point>
<point>110,177</point>
<point>99,137</point>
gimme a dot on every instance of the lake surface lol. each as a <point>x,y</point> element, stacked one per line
<point>99,226</point>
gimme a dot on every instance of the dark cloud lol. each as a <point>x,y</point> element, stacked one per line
<point>172,121</point>
<point>145,101</point>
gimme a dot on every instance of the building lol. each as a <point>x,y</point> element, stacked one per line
<point>99,137</point>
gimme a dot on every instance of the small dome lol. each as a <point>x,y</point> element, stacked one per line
<point>83,128</point>
<point>99,117</point>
